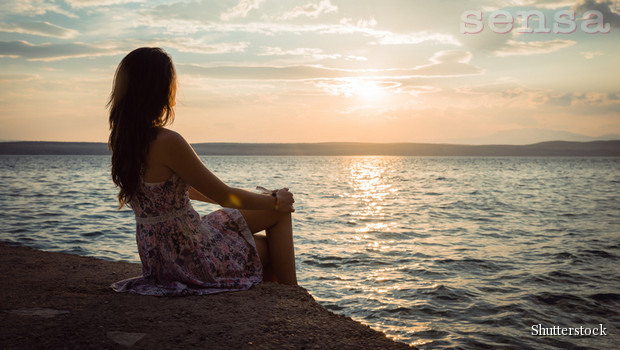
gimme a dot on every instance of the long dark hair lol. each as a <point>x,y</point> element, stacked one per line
<point>141,102</point>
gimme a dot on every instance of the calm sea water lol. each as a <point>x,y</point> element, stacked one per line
<point>443,253</point>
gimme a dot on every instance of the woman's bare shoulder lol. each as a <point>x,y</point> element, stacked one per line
<point>166,135</point>
<point>167,139</point>
<point>170,143</point>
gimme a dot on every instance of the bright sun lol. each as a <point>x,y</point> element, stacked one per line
<point>367,89</point>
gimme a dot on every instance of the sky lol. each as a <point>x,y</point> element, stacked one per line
<point>450,71</point>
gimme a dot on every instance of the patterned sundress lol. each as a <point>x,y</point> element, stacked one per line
<point>184,254</point>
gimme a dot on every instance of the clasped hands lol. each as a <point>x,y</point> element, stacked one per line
<point>284,199</point>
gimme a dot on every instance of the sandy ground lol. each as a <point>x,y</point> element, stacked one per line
<point>62,301</point>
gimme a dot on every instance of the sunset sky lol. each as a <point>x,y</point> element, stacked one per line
<point>317,70</point>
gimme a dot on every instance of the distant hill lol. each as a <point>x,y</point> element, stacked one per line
<point>553,148</point>
<point>530,136</point>
<point>58,148</point>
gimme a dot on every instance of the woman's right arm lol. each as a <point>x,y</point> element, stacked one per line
<point>176,154</point>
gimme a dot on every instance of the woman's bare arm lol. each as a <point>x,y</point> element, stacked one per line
<point>195,195</point>
<point>179,156</point>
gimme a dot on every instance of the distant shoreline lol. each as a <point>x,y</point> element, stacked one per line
<point>543,149</point>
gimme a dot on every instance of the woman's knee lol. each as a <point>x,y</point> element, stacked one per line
<point>259,220</point>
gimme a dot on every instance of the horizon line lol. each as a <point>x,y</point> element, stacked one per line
<point>337,142</point>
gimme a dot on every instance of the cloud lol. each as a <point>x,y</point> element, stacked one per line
<point>450,63</point>
<point>197,46</point>
<point>549,4</point>
<point>612,17</point>
<point>591,54</point>
<point>505,94</point>
<point>345,27</point>
<point>302,51</point>
<point>369,89</point>
<point>241,9</point>
<point>14,78</point>
<point>493,5</point>
<point>95,3</point>
<point>386,37</point>
<point>263,72</point>
<point>452,56</point>
<point>572,99</point>
<point>32,8</point>
<point>39,28</point>
<point>311,10</point>
<point>390,38</point>
<point>526,48</point>
<point>198,18</point>
<point>361,23</point>
<point>312,53</point>
<point>53,52</point>
<point>443,64</point>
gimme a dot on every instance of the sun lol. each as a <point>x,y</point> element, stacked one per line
<point>363,89</point>
<point>368,90</point>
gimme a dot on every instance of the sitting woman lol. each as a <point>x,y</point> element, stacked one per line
<point>158,173</point>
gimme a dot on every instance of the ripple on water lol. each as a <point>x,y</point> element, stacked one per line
<point>463,253</point>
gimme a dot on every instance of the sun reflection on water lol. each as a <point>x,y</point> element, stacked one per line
<point>379,229</point>
<point>372,192</point>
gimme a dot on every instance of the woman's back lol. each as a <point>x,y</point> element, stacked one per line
<point>155,169</point>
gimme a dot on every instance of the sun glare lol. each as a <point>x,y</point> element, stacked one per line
<point>367,90</point>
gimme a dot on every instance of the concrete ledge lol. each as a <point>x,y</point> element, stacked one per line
<point>62,301</point>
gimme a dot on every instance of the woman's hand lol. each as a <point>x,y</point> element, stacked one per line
<point>284,201</point>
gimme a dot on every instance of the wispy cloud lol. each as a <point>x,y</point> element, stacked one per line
<point>311,10</point>
<point>39,28</point>
<point>452,56</point>
<point>389,38</point>
<point>344,27</point>
<point>33,8</point>
<point>448,63</point>
<point>12,78</point>
<point>591,54</point>
<point>550,4</point>
<point>53,52</point>
<point>61,51</point>
<point>198,46</point>
<point>301,51</point>
<point>526,48</point>
<point>348,87</point>
<point>304,52</point>
<point>492,5</point>
<point>95,3</point>
<point>442,64</point>
<point>241,9</point>
<point>361,23</point>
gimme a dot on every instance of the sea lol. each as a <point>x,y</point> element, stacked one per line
<point>437,252</point>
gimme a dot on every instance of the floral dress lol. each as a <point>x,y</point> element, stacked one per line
<point>184,254</point>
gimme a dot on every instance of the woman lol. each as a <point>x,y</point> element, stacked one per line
<point>158,173</point>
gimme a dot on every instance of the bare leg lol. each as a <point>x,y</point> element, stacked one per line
<point>280,248</point>
<point>263,251</point>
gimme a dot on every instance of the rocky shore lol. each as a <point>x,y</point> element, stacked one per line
<point>63,301</point>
